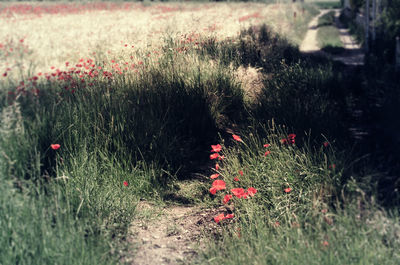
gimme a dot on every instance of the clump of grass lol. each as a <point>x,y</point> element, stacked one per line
<point>329,39</point>
<point>327,20</point>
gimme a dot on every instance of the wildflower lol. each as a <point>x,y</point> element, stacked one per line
<point>239,192</point>
<point>251,191</point>
<point>214,156</point>
<point>325,243</point>
<point>283,141</point>
<point>333,166</point>
<point>276,224</point>
<point>326,144</point>
<point>221,217</point>
<point>236,179</point>
<point>5,74</point>
<point>229,216</point>
<point>126,183</point>
<point>241,173</point>
<point>221,157</point>
<point>214,176</point>
<point>213,190</point>
<point>291,138</point>
<point>219,184</point>
<point>287,190</point>
<point>55,146</point>
<point>216,148</point>
<point>267,145</point>
<point>237,138</point>
<point>227,198</point>
<point>217,166</point>
<point>267,153</point>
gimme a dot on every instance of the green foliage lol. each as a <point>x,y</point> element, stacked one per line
<point>327,20</point>
<point>329,40</point>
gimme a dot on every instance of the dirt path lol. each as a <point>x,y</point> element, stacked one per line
<point>353,54</point>
<point>310,44</point>
<point>172,237</point>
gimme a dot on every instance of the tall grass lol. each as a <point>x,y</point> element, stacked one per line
<point>320,221</point>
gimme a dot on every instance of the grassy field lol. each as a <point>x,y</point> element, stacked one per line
<point>100,111</point>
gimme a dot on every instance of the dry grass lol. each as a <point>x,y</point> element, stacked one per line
<point>55,39</point>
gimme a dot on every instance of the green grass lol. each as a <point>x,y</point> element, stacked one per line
<point>329,39</point>
<point>327,20</point>
<point>327,4</point>
<point>154,128</point>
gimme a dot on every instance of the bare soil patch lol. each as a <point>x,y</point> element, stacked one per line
<point>172,237</point>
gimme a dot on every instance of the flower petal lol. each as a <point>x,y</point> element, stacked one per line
<point>237,138</point>
<point>216,148</point>
<point>214,176</point>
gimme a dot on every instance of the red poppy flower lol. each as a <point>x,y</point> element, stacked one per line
<point>237,138</point>
<point>287,190</point>
<point>227,198</point>
<point>219,218</point>
<point>55,146</point>
<point>214,176</point>
<point>217,166</point>
<point>216,148</point>
<point>238,192</point>
<point>213,190</point>
<point>236,179</point>
<point>326,144</point>
<point>325,243</point>
<point>267,153</point>
<point>214,156</point>
<point>291,138</point>
<point>229,216</point>
<point>267,145</point>
<point>126,183</point>
<point>251,191</point>
<point>221,157</point>
<point>283,141</point>
<point>219,184</point>
<point>241,173</point>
